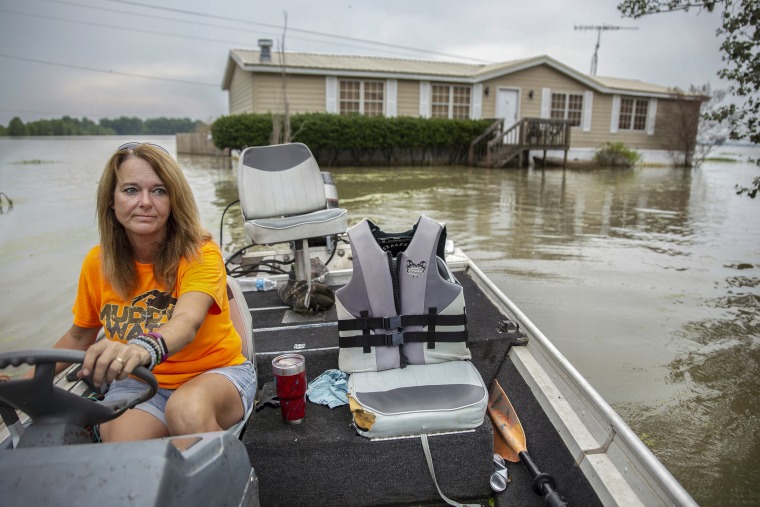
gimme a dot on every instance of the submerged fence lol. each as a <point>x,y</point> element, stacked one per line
<point>197,143</point>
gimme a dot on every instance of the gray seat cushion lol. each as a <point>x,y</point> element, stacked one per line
<point>418,399</point>
<point>324,222</point>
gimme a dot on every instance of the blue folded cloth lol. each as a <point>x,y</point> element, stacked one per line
<point>329,389</point>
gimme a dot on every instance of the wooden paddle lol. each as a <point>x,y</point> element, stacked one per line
<point>509,442</point>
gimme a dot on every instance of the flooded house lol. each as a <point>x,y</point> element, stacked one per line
<point>528,96</point>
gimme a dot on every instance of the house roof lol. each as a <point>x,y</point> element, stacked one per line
<point>632,84</point>
<point>374,67</point>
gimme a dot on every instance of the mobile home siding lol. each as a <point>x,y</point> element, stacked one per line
<point>600,125</point>
<point>543,76</point>
<point>305,94</point>
<point>601,129</point>
<point>408,98</point>
<point>267,94</point>
<point>241,92</point>
<point>536,79</point>
<point>639,139</point>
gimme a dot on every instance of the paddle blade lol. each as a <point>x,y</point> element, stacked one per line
<point>501,447</point>
<point>508,434</point>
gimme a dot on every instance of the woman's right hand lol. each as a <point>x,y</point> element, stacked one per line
<point>108,360</point>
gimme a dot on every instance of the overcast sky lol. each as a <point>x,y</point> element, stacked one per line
<point>150,58</point>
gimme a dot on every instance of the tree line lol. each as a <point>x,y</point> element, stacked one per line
<point>68,126</point>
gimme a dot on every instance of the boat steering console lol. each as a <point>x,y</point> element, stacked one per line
<point>59,417</point>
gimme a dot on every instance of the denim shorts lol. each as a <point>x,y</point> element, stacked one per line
<point>242,376</point>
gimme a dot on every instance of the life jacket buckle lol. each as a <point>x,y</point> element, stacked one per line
<point>393,322</point>
<point>394,339</point>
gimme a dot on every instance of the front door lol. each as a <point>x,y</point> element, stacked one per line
<point>506,106</point>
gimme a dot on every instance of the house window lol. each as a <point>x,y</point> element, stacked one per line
<point>362,97</point>
<point>451,102</point>
<point>633,114</point>
<point>567,106</point>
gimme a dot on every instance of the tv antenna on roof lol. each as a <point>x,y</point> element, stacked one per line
<point>599,29</point>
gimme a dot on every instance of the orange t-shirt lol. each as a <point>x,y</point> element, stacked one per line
<point>216,344</point>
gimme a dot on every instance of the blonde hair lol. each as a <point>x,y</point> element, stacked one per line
<point>184,232</point>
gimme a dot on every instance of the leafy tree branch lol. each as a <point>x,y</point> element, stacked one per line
<point>740,48</point>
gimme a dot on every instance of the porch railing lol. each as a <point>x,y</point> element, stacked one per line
<point>497,146</point>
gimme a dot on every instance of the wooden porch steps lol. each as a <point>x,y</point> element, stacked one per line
<point>498,147</point>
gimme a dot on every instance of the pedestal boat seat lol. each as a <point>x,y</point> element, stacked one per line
<point>282,197</point>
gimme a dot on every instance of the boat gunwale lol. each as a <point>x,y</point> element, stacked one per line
<point>637,451</point>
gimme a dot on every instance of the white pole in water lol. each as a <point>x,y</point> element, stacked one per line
<point>599,29</point>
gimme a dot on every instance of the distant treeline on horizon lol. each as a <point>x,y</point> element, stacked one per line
<point>123,125</point>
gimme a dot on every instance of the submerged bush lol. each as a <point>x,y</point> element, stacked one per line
<point>242,130</point>
<point>363,137</point>
<point>616,155</point>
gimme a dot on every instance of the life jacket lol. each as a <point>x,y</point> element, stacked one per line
<point>402,304</point>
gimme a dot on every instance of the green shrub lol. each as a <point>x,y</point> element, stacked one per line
<point>616,155</point>
<point>241,130</point>
<point>328,135</point>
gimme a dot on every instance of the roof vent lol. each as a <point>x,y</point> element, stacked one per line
<point>266,54</point>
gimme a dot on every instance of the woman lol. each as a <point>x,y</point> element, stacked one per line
<point>156,284</point>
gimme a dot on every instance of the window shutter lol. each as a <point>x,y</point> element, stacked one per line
<point>424,99</point>
<point>391,98</point>
<point>546,102</point>
<point>588,101</point>
<point>615,113</point>
<point>331,94</point>
<point>476,111</point>
<point>651,115</point>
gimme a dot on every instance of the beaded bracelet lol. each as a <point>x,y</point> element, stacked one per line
<point>146,346</point>
<point>153,345</point>
<point>151,349</point>
<point>161,342</point>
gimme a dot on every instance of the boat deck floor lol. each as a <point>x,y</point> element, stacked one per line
<point>323,461</point>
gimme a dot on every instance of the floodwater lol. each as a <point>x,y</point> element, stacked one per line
<point>647,280</point>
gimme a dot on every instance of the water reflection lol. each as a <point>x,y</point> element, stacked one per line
<point>534,214</point>
<point>715,446</point>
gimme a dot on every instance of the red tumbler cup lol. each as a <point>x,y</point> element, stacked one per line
<point>290,382</point>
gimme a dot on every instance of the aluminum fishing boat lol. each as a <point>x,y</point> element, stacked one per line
<point>580,451</point>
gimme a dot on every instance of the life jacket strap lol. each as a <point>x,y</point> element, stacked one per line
<point>440,336</point>
<point>364,323</point>
<point>373,340</point>
<point>365,335</point>
<point>431,327</point>
<point>399,338</point>
<point>394,326</point>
